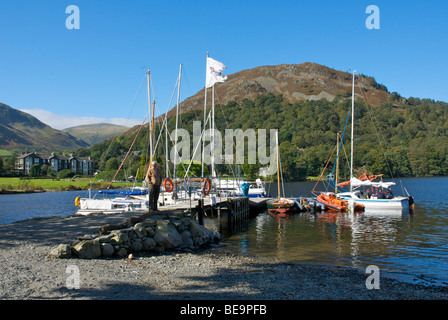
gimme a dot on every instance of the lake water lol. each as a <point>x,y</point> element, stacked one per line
<point>411,246</point>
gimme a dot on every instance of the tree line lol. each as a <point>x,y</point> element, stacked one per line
<point>401,138</point>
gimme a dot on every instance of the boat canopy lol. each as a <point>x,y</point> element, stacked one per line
<point>359,183</point>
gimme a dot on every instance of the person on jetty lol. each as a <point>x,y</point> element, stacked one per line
<point>154,179</point>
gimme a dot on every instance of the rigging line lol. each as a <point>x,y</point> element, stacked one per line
<point>132,107</point>
<point>382,141</point>
<point>130,148</point>
<point>227,125</point>
<point>340,144</point>
<point>334,149</point>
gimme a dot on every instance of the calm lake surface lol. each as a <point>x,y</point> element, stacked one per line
<point>411,246</point>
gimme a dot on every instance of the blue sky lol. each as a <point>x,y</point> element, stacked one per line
<point>68,77</point>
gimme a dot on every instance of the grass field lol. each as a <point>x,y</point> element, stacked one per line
<point>5,153</point>
<point>17,184</point>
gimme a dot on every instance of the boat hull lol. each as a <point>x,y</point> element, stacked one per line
<point>396,203</point>
<point>280,207</point>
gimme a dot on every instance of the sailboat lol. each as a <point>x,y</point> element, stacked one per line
<point>132,200</point>
<point>281,205</point>
<point>382,199</point>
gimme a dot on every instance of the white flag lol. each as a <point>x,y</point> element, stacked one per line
<point>214,72</point>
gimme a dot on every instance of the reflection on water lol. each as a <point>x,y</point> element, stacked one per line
<point>413,245</point>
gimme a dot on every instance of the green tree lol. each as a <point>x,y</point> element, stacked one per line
<point>34,171</point>
<point>112,164</point>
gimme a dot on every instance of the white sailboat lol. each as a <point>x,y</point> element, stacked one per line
<point>376,201</point>
<point>107,202</point>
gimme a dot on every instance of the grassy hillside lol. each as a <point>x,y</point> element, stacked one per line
<point>96,133</point>
<point>400,138</point>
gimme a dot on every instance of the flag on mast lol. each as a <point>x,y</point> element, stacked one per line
<point>214,72</point>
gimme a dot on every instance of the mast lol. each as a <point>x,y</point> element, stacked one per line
<point>152,130</point>
<point>213,132</point>
<point>177,120</point>
<point>149,119</point>
<point>205,116</point>
<point>278,165</point>
<point>337,164</point>
<point>353,129</point>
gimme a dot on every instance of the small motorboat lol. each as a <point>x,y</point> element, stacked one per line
<point>332,202</point>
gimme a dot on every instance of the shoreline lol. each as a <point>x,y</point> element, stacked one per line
<point>208,274</point>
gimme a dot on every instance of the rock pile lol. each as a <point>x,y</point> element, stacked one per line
<point>153,234</point>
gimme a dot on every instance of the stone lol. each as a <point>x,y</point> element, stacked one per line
<point>178,224</point>
<point>62,251</point>
<point>136,246</point>
<point>119,237</point>
<point>150,232</point>
<point>140,230</point>
<point>199,234</point>
<point>88,249</point>
<point>121,253</point>
<point>107,250</point>
<point>148,244</point>
<point>166,235</point>
<point>187,241</point>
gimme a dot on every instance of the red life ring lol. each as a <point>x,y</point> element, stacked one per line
<point>206,186</point>
<point>171,187</point>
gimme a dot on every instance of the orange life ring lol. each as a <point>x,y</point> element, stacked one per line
<point>206,186</point>
<point>171,188</point>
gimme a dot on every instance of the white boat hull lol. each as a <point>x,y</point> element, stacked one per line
<point>373,204</point>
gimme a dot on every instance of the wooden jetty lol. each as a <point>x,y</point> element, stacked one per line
<point>229,210</point>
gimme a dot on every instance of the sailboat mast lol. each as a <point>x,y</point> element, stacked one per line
<point>278,165</point>
<point>213,132</point>
<point>149,122</point>
<point>152,129</point>
<point>177,121</point>
<point>337,164</point>
<point>353,129</point>
<point>205,116</point>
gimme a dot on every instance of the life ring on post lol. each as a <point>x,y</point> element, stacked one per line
<point>206,186</point>
<point>171,185</point>
<point>77,201</point>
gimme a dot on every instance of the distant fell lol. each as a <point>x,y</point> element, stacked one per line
<point>21,131</point>
<point>305,81</point>
<point>96,133</point>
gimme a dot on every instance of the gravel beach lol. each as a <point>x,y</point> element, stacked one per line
<point>27,272</point>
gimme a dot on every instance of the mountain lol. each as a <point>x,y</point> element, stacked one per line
<point>308,104</point>
<point>296,82</point>
<point>96,133</point>
<point>21,131</point>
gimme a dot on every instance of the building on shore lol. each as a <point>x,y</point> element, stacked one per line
<point>79,165</point>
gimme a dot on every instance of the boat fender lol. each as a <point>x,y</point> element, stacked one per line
<point>206,186</point>
<point>77,201</point>
<point>171,185</point>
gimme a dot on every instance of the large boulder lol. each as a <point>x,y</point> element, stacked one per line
<point>166,235</point>
<point>62,251</point>
<point>200,235</point>
<point>87,249</point>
